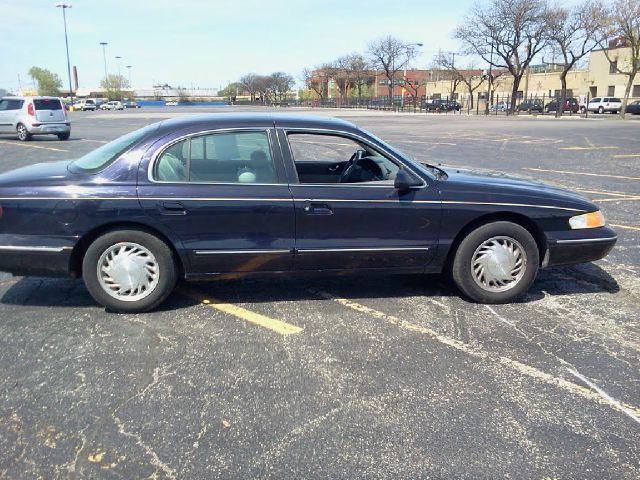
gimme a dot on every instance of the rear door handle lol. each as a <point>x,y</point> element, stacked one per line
<point>317,208</point>
<point>171,208</point>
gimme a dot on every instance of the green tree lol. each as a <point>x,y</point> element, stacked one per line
<point>48,82</point>
<point>115,87</point>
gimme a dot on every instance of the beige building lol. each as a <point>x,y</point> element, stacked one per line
<point>600,78</point>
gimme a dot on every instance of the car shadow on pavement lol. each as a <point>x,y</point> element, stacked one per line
<point>575,280</point>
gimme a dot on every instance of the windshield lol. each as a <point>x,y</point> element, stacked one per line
<point>103,156</point>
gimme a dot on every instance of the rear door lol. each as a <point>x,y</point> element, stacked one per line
<point>49,110</point>
<point>224,194</point>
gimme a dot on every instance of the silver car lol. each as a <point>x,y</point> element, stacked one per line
<point>28,116</point>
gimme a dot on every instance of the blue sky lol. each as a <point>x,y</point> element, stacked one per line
<point>208,43</point>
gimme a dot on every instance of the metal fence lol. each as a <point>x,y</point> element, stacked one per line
<point>467,104</point>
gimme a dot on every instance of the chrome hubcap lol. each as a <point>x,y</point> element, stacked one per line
<point>22,131</point>
<point>498,264</point>
<point>128,271</point>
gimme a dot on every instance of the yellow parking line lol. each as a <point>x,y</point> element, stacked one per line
<point>589,148</point>
<point>278,326</point>
<point>581,173</point>
<point>628,155</point>
<point>92,140</point>
<point>33,146</point>
<point>625,227</point>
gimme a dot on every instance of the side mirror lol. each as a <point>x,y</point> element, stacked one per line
<point>405,181</point>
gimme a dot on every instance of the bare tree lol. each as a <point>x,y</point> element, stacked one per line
<point>624,18</point>
<point>506,34</point>
<point>250,83</point>
<point>413,87</point>
<point>471,77</point>
<point>281,83</point>
<point>574,32</point>
<point>316,79</point>
<point>359,72</point>
<point>390,55</point>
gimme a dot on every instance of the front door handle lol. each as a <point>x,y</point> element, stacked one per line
<point>171,208</point>
<point>317,208</point>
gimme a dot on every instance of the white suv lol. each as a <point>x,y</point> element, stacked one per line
<point>28,116</point>
<point>85,104</point>
<point>605,104</point>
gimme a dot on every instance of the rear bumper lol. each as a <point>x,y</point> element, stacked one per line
<point>578,246</point>
<point>49,128</point>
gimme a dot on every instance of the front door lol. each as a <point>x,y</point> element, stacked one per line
<point>348,213</point>
<point>224,196</point>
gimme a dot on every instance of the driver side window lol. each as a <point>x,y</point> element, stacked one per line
<point>325,158</point>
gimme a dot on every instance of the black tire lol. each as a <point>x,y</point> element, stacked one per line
<point>600,110</point>
<point>166,263</point>
<point>462,265</point>
<point>64,136</point>
<point>23,133</point>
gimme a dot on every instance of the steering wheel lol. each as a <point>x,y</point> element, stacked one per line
<point>350,165</point>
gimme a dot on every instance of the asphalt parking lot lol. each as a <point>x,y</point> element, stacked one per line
<point>388,377</point>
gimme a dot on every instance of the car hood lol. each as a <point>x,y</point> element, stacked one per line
<point>38,174</point>
<point>520,189</point>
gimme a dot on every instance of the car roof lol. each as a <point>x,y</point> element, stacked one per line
<point>39,97</point>
<point>231,120</point>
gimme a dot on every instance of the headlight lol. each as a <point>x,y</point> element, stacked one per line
<point>587,220</point>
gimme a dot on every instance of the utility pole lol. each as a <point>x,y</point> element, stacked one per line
<point>489,81</point>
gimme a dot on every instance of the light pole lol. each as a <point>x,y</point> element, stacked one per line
<point>64,7</point>
<point>129,70</point>
<point>104,56</point>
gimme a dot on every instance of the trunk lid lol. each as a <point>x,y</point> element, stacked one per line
<point>49,110</point>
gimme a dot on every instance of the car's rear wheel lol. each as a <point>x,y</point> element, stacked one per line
<point>496,263</point>
<point>23,133</point>
<point>600,110</point>
<point>129,270</point>
<point>64,136</point>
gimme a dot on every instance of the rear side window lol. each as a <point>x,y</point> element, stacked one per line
<point>47,104</point>
<point>615,100</point>
<point>237,157</point>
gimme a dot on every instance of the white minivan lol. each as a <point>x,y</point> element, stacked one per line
<point>604,104</point>
<point>29,116</point>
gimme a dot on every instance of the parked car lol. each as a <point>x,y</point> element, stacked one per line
<point>634,108</point>
<point>85,104</point>
<point>532,105</point>
<point>130,104</point>
<point>570,105</point>
<point>113,105</point>
<point>223,195</point>
<point>500,106</point>
<point>604,104</point>
<point>440,105</point>
<point>29,116</point>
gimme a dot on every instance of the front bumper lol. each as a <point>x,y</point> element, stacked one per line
<point>49,128</point>
<point>578,246</point>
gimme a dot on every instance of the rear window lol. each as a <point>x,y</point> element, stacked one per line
<point>103,156</point>
<point>47,104</point>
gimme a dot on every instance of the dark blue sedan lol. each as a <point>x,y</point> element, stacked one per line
<point>241,195</point>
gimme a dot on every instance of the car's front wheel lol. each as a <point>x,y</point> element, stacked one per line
<point>600,110</point>
<point>23,133</point>
<point>129,270</point>
<point>496,263</point>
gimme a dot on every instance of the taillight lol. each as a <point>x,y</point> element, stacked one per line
<point>30,109</point>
